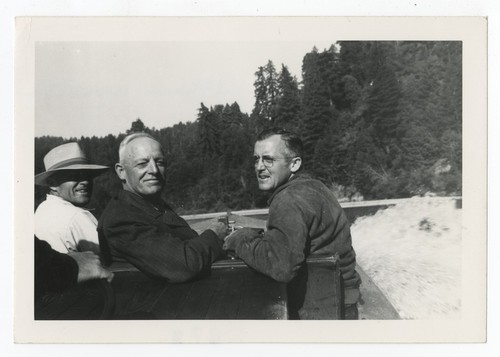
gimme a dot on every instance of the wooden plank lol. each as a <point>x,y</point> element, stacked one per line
<point>265,211</point>
<point>88,301</point>
<point>197,302</point>
<point>227,294</point>
<point>231,291</point>
<point>200,225</point>
<point>226,305</point>
<point>204,216</point>
<point>323,300</point>
<point>261,297</point>
<point>374,305</point>
<point>168,304</point>
<point>136,294</point>
<point>88,306</point>
<point>54,306</point>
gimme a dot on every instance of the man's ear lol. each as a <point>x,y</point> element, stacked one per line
<point>296,163</point>
<point>120,171</point>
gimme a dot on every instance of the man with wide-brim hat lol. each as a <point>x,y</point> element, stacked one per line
<point>61,219</point>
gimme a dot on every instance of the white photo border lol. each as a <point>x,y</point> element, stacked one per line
<point>470,30</point>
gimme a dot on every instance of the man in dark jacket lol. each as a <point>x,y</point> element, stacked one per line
<point>304,218</point>
<point>139,227</point>
<point>56,272</point>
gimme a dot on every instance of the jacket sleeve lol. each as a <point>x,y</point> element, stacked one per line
<point>159,253</point>
<point>54,271</point>
<point>280,252</point>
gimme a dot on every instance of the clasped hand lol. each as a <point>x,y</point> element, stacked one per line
<point>90,267</point>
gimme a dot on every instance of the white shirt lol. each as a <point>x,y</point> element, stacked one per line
<point>65,226</point>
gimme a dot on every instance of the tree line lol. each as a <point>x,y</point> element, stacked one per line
<point>378,120</point>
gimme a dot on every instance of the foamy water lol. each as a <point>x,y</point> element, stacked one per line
<point>412,251</point>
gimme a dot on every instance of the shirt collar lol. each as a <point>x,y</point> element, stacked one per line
<point>59,200</point>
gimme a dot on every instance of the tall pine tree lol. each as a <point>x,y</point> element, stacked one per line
<point>316,112</point>
<point>288,109</point>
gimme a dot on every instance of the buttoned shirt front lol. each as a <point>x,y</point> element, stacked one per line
<point>66,227</point>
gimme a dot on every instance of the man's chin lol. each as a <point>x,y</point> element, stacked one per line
<point>153,190</point>
<point>265,186</point>
<point>81,202</point>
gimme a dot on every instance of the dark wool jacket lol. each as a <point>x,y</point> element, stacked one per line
<point>157,242</point>
<point>304,218</point>
<point>54,271</point>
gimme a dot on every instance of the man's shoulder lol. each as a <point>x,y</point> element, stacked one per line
<point>57,207</point>
<point>123,206</point>
<point>113,204</point>
<point>117,200</point>
<point>114,208</point>
<point>54,219</point>
<point>124,199</point>
<point>304,191</point>
<point>303,185</point>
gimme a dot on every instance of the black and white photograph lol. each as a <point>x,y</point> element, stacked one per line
<point>226,176</point>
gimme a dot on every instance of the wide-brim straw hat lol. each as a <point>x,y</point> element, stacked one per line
<point>67,157</point>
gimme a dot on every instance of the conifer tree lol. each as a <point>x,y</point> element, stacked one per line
<point>137,127</point>
<point>316,109</point>
<point>207,131</point>
<point>383,106</point>
<point>288,103</point>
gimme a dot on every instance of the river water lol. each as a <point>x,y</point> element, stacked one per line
<point>412,251</point>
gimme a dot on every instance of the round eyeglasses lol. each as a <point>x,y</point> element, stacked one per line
<point>267,161</point>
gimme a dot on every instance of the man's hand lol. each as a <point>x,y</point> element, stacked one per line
<point>90,267</point>
<point>230,241</point>
<point>240,235</point>
<point>219,228</point>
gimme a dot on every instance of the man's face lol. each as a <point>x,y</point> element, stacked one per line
<point>73,186</point>
<point>143,167</point>
<point>272,150</point>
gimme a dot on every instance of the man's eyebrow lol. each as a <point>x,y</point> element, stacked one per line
<point>142,158</point>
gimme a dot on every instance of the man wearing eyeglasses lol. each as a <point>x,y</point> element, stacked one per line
<point>304,218</point>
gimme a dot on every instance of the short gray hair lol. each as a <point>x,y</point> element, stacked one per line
<point>131,137</point>
<point>293,143</point>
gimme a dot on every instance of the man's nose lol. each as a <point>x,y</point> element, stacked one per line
<point>259,165</point>
<point>152,167</point>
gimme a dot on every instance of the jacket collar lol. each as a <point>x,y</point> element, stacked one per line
<point>294,179</point>
<point>139,202</point>
<point>164,212</point>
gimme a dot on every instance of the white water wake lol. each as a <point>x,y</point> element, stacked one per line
<point>412,251</point>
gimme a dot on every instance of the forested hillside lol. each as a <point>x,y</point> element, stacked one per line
<point>378,120</point>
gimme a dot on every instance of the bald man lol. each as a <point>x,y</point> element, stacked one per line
<point>139,227</point>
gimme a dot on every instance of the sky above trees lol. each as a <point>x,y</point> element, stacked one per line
<point>98,88</point>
